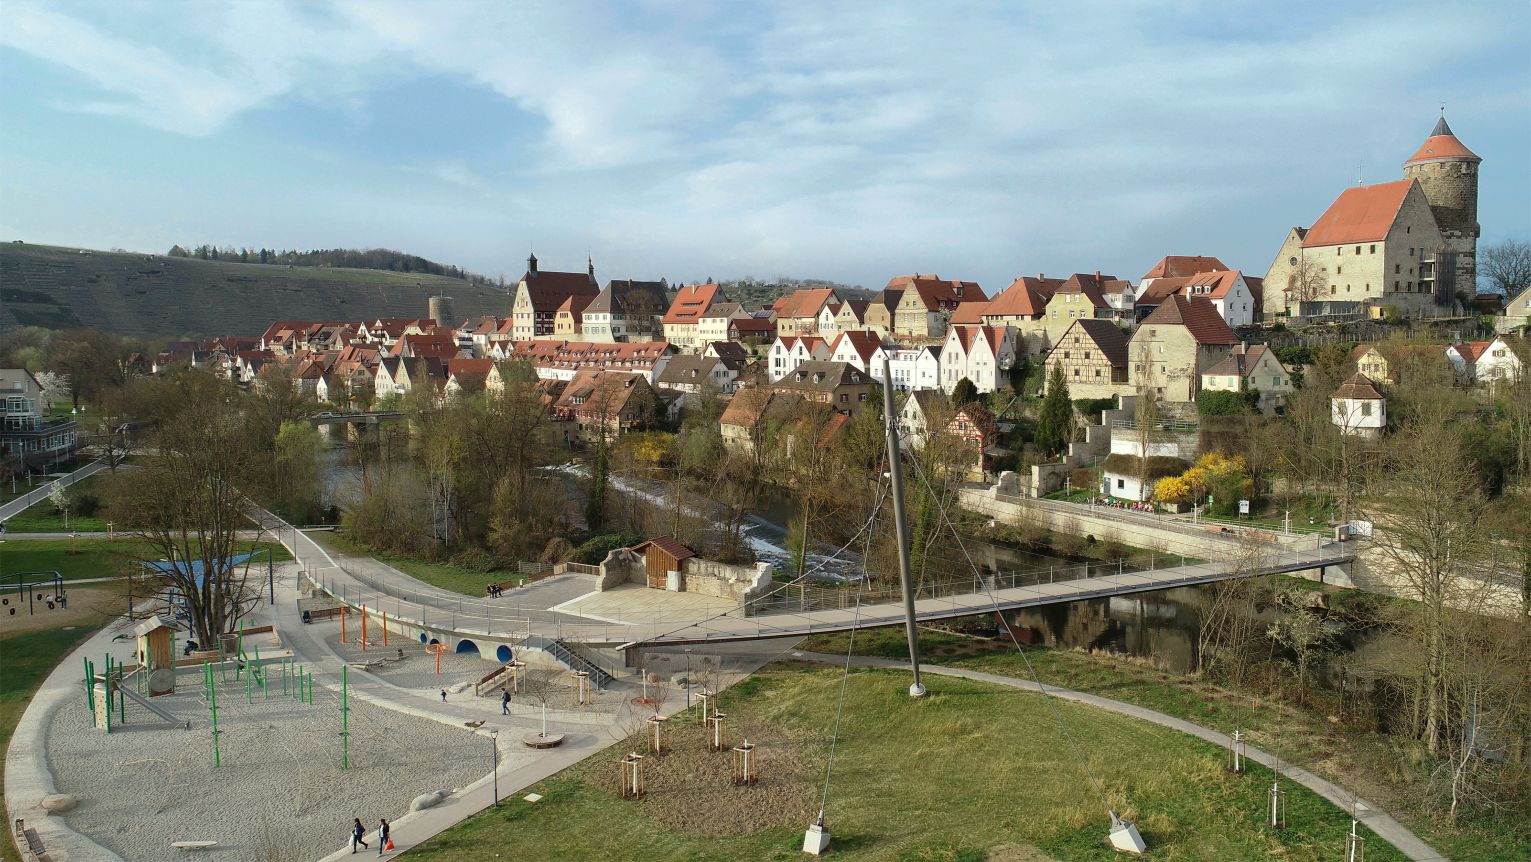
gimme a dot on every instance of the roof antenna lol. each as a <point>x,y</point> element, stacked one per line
<point>1359,179</point>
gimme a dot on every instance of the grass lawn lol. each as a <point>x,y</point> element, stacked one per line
<point>27,656</point>
<point>972,772</point>
<point>77,559</point>
<point>1369,763</point>
<point>42,517</point>
<point>458,579</point>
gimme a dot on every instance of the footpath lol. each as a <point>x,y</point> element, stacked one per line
<point>1378,821</point>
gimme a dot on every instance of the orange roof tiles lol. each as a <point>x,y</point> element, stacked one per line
<point>1442,146</point>
<point>1183,266</point>
<point>1360,214</point>
<point>690,302</point>
<point>805,303</point>
<point>969,312</point>
<point>1198,316</point>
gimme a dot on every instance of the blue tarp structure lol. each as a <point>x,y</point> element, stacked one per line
<point>194,567</point>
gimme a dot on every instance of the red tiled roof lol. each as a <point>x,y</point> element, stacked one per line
<point>1360,214</point>
<point>970,312</point>
<point>1471,350</point>
<point>1183,266</point>
<point>1219,283</point>
<point>863,342</point>
<point>936,293</point>
<point>1161,288</point>
<point>1360,387</point>
<point>669,546</point>
<point>690,303</point>
<point>1442,146</point>
<point>1025,297</point>
<point>1198,316</point>
<point>805,303</point>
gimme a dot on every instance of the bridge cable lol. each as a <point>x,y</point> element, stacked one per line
<point>1041,687</point>
<point>850,646</point>
<point>865,530</point>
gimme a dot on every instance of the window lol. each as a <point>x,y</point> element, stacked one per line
<point>1358,249</point>
<point>1395,284</point>
<point>1076,372</point>
<point>1411,252</point>
<point>1097,372</point>
<point>1121,483</point>
<point>1338,270</point>
<point>1373,250</point>
<point>1366,408</point>
<point>844,399</point>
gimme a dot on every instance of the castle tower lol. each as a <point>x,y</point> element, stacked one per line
<point>1447,172</point>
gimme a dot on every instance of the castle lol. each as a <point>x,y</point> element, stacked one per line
<point>1411,243</point>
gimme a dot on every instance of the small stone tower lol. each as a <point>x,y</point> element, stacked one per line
<point>1448,174</point>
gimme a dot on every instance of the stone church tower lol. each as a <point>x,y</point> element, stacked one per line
<point>1448,174</point>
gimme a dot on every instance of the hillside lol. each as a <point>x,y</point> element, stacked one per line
<point>156,295</point>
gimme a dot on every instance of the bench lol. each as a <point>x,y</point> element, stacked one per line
<point>30,844</point>
<point>194,845</point>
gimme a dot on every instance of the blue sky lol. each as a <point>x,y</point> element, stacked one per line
<point>849,141</point>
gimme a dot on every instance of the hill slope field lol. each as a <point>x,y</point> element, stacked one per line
<point>147,295</point>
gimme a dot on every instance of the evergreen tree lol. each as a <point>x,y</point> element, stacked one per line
<point>1055,425</point>
<point>595,506</point>
<point>964,393</point>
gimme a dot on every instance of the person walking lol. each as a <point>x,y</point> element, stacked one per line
<point>358,832</point>
<point>443,695</point>
<point>504,702</point>
<point>382,836</point>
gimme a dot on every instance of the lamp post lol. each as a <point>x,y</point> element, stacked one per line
<point>494,744</point>
<point>688,677</point>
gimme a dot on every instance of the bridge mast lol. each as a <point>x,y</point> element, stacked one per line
<point>900,528</point>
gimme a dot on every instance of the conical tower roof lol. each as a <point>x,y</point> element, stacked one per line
<point>1442,146</point>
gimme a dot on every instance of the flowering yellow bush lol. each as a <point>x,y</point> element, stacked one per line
<point>1214,472</point>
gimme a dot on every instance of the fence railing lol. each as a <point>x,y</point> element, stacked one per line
<point>41,492</point>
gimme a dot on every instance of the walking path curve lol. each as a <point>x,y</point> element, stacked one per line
<point>1378,821</point>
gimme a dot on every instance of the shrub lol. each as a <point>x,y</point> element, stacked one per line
<point>86,505</point>
<point>1224,403</point>
<point>595,549</point>
<point>477,560</point>
<point>1083,479</point>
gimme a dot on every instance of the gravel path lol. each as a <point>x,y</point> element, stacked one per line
<point>280,793</point>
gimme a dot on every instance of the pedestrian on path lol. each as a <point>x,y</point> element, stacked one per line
<point>443,695</point>
<point>358,832</point>
<point>383,842</point>
<point>504,702</point>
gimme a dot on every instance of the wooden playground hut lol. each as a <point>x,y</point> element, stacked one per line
<point>661,556</point>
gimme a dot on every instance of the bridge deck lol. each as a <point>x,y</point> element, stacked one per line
<point>417,604</point>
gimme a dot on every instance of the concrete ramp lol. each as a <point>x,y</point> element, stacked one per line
<point>151,706</point>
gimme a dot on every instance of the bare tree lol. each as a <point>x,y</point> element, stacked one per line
<point>544,684</point>
<point>1306,282</point>
<point>186,503</point>
<point>1507,265</point>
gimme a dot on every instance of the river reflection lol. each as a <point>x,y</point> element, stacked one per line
<point>1162,625</point>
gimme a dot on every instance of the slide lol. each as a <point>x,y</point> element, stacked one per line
<point>151,706</point>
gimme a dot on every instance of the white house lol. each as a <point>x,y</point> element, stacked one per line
<point>914,370</point>
<point>861,349</point>
<point>1484,361</point>
<point>1229,293</point>
<point>982,354</point>
<point>788,352</point>
<point>1358,409</point>
<point>914,416</point>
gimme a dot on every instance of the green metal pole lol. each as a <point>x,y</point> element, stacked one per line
<point>122,699</point>
<point>284,675</point>
<point>212,704</point>
<point>345,719</point>
<point>90,684</point>
<point>247,687</point>
<point>258,668</point>
<point>310,688</point>
<point>108,692</point>
<point>239,650</point>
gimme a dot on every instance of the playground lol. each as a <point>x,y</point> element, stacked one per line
<point>280,790</point>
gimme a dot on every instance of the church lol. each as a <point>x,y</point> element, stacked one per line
<point>1410,243</point>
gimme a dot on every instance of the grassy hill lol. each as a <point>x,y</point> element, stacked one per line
<point>147,295</point>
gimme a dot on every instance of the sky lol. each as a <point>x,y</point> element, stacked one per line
<point>845,141</point>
